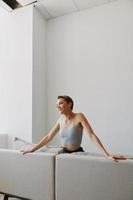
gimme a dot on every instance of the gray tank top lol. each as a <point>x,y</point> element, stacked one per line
<point>70,135</point>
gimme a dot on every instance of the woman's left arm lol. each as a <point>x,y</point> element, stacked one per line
<point>96,140</point>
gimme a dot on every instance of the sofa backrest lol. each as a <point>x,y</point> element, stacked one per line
<point>81,176</point>
<point>12,142</point>
<point>29,176</point>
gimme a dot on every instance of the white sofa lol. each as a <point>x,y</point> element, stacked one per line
<point>4,141</point>
<point>76,176</point>
<point>28,176</point>
<point>12,142</point>
<point>84,176</point>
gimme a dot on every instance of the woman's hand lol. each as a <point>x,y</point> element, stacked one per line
<point>26,151</point>
<point>119,157</point>
<point>116,157</point>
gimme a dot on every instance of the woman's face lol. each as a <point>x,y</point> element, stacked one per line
<point>63,106</point>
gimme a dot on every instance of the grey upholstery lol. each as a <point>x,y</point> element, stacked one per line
<point>30,176</point>
<point>76,176</point>
<point>82,176</point>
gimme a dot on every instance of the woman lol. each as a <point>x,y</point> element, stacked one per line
<point>70,126</point>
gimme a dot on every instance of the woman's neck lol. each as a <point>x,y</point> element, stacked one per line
<point>68,116</point>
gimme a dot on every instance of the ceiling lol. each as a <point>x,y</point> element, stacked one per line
<point>56,8</point>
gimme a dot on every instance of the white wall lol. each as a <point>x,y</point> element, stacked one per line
<point>39,73</point>
<point>89,57</point>
<point>16,73</point>
<point>22,73</point>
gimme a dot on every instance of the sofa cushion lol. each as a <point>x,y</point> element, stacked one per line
<point>30,176</point>
<point>88,176</point>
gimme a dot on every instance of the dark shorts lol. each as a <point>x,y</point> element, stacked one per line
<point>80,149</point>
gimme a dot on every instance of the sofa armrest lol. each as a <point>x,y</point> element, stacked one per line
<point>3,141</point>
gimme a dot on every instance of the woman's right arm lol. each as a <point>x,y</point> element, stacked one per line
<point>46,139</point>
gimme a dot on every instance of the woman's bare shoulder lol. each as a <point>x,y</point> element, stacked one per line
<point>79,114</point>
